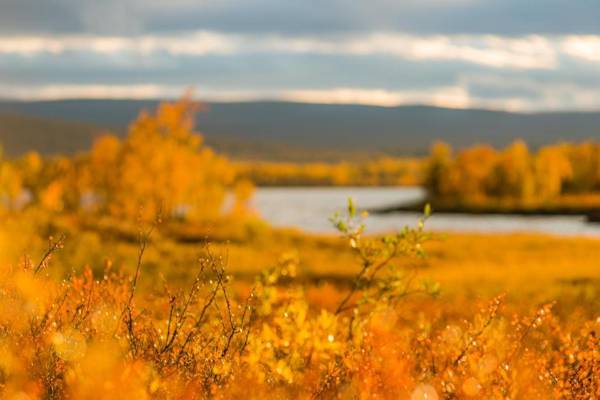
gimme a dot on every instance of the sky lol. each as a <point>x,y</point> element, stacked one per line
<point>514,55</point>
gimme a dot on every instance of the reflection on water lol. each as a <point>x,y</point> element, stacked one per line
<point>310,208</point>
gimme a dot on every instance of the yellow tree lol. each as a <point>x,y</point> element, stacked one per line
<point>161,167</point>
<point>438,170</point>
<point>472,169</point>
<point>552,169</point>
<point>10,184</point>
<point>30,166</point>
<point>513,175</point>
<point>242,190</point>
<point>585,163</point>
<point>53,183</point>
<point>59,187</point>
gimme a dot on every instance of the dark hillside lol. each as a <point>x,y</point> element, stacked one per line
<point>297,130</point>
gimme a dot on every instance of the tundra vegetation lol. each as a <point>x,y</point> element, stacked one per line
<point>123,276</point>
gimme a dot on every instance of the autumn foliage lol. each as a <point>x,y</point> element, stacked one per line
<point>381,171</point>
<point>481,175</point>
<point>161,167</point>
<point>132,295</point>
<point>383,336</point>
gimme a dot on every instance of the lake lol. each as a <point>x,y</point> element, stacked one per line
<point>309,209</point>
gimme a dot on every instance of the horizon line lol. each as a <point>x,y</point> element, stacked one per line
<point>209,100</point>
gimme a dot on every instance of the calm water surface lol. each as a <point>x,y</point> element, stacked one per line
<point>309,209</point>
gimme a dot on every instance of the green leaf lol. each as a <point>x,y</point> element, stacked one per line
<point>427,210</point>
<point>351,208</point>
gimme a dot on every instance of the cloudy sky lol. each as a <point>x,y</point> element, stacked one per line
<point>520,55</point>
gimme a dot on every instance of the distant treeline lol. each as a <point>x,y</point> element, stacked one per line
<point>514,176</point>
<point>385,171</point>
<point>161,168</point>
<point>163,164</point>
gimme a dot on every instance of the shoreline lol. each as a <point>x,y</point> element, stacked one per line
<point>592,214</point>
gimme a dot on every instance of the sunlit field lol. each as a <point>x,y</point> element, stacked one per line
<point>123,277</point>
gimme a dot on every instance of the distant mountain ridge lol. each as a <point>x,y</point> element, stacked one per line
<point>270,129</point>
<point>20,133</point>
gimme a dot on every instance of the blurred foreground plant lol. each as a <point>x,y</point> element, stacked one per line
<point>380,280</point>
<point>89,336</point>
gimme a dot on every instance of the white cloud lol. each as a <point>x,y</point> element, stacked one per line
<point>490,86</point>
<point>91,91</point>
<point>198,43</point>
<point>453,97</point>
<point>28,46</point>
<point>545,97</point>
<point>584,47</point>
<point>524,94</point>
<point>527,52</point>
<point>530,52</point>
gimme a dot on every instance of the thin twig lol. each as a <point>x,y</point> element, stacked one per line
<point>53,246</point>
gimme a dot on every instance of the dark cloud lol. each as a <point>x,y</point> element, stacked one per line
<point>277,71</point>
<point>35,16</point>
<point>529,73</point>
<point>273,71</point>
<point>506,17</point>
